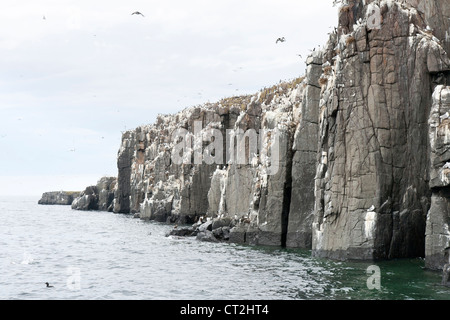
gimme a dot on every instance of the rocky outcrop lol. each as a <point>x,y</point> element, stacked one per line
<point>106,187</point>
<point>88,200</point>
<point>209,231</point>
<point>58,198</point>
<point>446,275</point>
<point>98,197</point>
<point>437,231</point>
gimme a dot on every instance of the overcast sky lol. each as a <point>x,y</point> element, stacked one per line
<point>74,74</point>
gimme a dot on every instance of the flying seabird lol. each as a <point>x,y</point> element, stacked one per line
<point>281,40</point>
<point>137,12</point>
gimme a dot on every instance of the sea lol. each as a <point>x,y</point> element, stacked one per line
<point>91,255</point>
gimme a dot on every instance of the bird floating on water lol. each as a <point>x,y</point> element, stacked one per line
<point>48,286</point>
<point>282,39</point>
<point>137,13</point>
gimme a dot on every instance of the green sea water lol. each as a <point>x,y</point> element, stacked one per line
<point>398,279</point>
<point>104,256</point>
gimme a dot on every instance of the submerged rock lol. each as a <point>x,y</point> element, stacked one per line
<point>446,275</point>
<point>214,230</point>
<point>183,232</point>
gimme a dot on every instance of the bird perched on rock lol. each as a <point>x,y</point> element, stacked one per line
<point>137,13</point>
<point>282,39</point>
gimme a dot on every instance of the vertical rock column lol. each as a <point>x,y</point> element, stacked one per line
<point>437,233</point>
<point>304,159</point>
<point>124,161</point>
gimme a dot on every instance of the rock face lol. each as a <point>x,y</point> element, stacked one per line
<point>98,197</point>
<point>352,160</point>
<point>372,192</point>
<point>58,197</point>
<point>437,232</point>
<point>239,184</point>
<point>105,187</point>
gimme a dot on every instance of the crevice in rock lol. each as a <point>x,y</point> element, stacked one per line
<point>287,192</point>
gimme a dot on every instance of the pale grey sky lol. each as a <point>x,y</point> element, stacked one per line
<point>77,73</point>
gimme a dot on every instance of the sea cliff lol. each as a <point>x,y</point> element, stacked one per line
<point>351,160</point>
